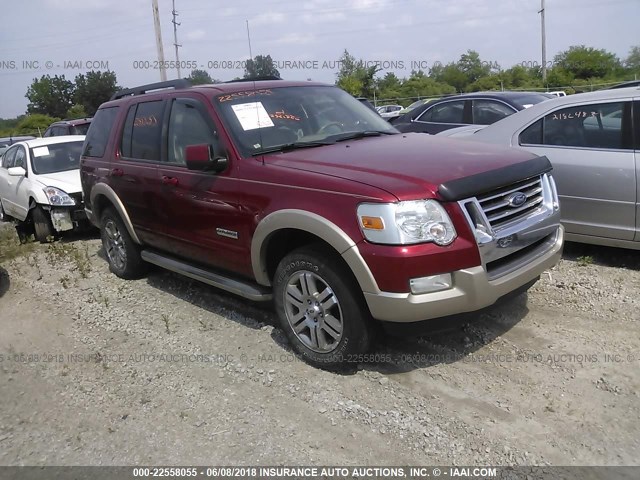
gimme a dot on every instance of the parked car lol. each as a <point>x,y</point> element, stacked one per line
<point>40,185</point>
<point>367,103</point>
<point>470,108</point>
<point>593,143</point>
<point>630,83</point>
<point>78,126</point>
<point>295,192</point>
<point>389,111</point>
<point>6,142</point>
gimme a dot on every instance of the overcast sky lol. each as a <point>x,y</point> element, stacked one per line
<point>39,37</point>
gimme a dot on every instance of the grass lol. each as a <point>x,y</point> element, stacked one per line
<point>10,246</point>
<point>585,260</point>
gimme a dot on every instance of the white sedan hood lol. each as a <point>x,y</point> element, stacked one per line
<point>68,181</point>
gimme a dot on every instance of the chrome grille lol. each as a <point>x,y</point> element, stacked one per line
<point>501,212</point>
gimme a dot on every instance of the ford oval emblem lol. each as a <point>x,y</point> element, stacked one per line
<point>516,199</point>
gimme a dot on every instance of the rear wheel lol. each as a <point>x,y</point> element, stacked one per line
<point>321,308</point>
<point>123,254</point>
<point>43,228</point>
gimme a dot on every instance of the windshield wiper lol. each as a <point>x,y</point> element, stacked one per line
<point>365,133</point>
<point>290,146</point>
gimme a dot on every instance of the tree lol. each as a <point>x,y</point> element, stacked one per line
<point>51,96</point>
<point>587,62</point>
<point>355,74</point>
<point>201,77</point>
<point>633,60</point>
<point>77,111</point>
<point>93,89</point>
<point>261,66</point>
<point>34,124</point>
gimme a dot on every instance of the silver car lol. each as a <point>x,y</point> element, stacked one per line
<point>593,143</point>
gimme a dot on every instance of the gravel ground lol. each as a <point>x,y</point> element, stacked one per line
<point>96,370</point>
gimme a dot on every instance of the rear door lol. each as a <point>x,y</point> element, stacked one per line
<point>591,149</point>
<point>134,173</point>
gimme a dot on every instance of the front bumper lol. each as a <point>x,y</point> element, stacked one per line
<point>67,218</point>
<point>472,290</point>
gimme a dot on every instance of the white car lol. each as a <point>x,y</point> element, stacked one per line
<point>389,111</point>
<point>40,185</point>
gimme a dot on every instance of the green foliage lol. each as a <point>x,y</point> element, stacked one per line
<point>586,62</point>
<point>633,60</point>
<point>200,77</point>
<point>51,96</point>
<point>355,76</point>
<point>261,66</point>
<point>77,111</point>
<point>34,124</point>
<point>93,89</point>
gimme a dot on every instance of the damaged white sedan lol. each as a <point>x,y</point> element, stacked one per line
<point>40,186</point>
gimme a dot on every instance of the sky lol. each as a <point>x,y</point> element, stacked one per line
<point>306,38</point>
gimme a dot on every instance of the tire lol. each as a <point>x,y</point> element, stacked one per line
<point>311,286</point>
<point>42,226</point>
<point>123,254</point>
<point>3,216</point>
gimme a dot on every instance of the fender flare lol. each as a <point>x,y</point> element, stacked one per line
<point>318,226</point>
<point>112,196</point>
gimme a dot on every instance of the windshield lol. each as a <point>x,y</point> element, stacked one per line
<point>58,157</point>
<point>262,120</point>
<point>80,129</point>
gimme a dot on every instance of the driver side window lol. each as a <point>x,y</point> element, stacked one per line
<point>20,158</point>
<point>8,157</point>
<point>189,124</point>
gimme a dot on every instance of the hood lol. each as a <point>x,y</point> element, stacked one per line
<point>68,181</point>
<point>409,166</point>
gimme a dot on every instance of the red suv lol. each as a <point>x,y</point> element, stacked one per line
<point>296,192</point>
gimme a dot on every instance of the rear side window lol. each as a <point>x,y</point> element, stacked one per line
<point>604,125</point>
<point>486,112</point>
<point>142,132</point>
<point>98,135</point>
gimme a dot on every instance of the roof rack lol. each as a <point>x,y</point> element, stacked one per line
<point>141,90</point>
<point>255,79</point>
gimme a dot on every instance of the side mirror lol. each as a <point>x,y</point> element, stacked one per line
<point>203,158</point>
<point>16,171</point>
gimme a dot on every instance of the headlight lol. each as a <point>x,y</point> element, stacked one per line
<point>403,223</point>
<point>58,197</point>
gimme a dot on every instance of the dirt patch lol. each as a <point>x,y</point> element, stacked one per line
<point>100,371</point>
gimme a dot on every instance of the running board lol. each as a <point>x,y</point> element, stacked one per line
<point>242,288</point>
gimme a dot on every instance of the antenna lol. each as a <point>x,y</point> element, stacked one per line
<point>249,39</point>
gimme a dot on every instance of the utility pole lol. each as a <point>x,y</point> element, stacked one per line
<point>175,36</point>
<point>544,43</point>
<point>156,22</point>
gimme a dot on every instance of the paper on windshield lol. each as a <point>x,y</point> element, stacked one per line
<point>40,151</point>
<point>252,115</point>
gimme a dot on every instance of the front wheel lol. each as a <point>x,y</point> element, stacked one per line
<point>321,308</point>
<point>123,254</point>
<point>42,226</point>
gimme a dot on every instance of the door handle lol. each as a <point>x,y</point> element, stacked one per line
<point>117,172</point>
<point>169,180</point>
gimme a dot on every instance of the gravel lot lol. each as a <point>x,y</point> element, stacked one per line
<point>100,371</point>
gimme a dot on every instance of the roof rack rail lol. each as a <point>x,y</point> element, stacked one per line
<point>141,90</point>
<point>255,79</point>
